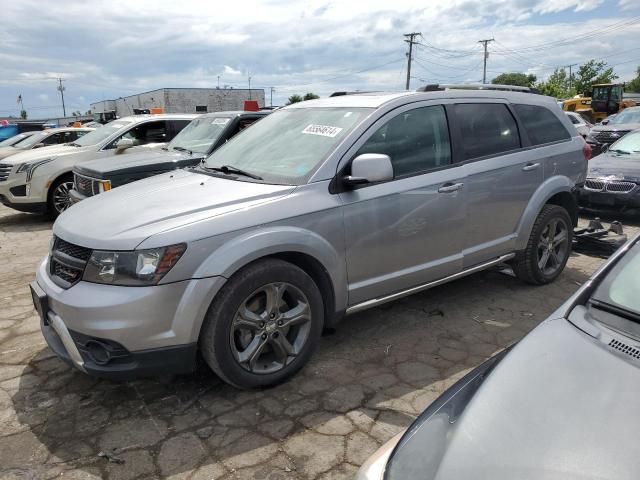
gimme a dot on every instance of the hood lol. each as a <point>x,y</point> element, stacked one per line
<point>560,406</point>
<point>625,127</point>
<point>618,167</point>
<point>8,151</point>
<point>134,162</point>
<point>53,151</point>
<point>125,216</point>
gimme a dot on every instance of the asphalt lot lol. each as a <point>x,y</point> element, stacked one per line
<point>367,382</point>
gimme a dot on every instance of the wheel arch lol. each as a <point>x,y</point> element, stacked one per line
<point>557,190</point>
<point>52,181</point>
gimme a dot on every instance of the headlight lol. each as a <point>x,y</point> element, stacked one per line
<point>138,268</point>
<point>419,452</point>
<point>104,186</point>
<point>30,167</point>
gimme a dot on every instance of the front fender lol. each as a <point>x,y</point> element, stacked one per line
<point>255,244</point>
<point>545,191</point>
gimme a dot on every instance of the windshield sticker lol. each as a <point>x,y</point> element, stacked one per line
<point>322,130</point>
<point>220,121</point>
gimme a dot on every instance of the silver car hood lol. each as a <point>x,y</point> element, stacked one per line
<point>44,152</point>
<point>559,406</point>
<point>8,151</point>
<point>124,217</point>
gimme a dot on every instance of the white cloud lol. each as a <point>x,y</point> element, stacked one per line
<point>43,97</point>
<point>231,71</point>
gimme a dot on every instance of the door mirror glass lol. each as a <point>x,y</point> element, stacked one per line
<point>123,144</point>
<point>370,168</point>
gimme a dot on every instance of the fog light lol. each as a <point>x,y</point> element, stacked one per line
<point>98,352</point>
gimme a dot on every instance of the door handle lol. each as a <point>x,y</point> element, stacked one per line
<point>450,187</point>
<point>530,166</point>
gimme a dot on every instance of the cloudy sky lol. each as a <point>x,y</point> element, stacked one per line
<point>105,50</point>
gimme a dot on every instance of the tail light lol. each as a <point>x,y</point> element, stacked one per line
<point>586,151</point>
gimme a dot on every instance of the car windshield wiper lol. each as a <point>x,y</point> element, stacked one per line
<point>182,149</point>
<point>230,169</point>
<point>74,144</point>
<point>622,152</point>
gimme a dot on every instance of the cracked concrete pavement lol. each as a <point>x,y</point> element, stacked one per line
<point>367,382</point>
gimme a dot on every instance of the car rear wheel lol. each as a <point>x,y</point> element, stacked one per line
<point>263,326</point>
<point>548,249</point>
<point>59,195</point>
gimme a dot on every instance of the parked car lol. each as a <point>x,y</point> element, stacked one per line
<point>15,139</point>
<point>323,208</point>
<point>613,179</point>
<point>613,129</point>
<point>198,139</point>
<point>9,129</point>
<point>560,404</point>
<point>44,138</point>
<point>583,126</point>
<point>40,180</point>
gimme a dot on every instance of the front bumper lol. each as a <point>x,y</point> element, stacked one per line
<point>17,193</point>
<point>604,200</point>
<point>124,332</point>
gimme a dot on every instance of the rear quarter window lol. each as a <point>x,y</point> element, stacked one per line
<point>541,124</point>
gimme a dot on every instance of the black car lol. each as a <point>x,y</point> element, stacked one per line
<point>613,179</point>
<point>613,128</point>
<point>195,142</point>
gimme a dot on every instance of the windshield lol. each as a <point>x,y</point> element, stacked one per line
<point>626,116</point>
<point>287,146</point>
<point>102,133</point>
<point>33,139</point>
<point>630,143</point>
<point>16,139</point>
<point>621,288</point>
<point>200,134</point>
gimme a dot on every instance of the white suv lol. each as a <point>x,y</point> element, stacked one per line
<point>40,180</point>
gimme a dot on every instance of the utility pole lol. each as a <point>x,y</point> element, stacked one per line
<point>61,90</point>
<point>486,55</point>
<point>409,38</point>
<point>570,75</point>
<point>272,90</point>
<point>218,81</point>
<point>249,87</point>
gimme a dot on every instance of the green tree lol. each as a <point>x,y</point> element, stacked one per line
<point>515,78</point>
<point>557,85</point>
<point>294,99</point>
<point>310,96</point>
<point>591,73</point>
<point>23,114</point>
<point>634,85</point>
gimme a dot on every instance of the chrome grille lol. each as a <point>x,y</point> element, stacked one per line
<point>84,185</point>
<point>620,187</point>
<point>595,185</point>
<point>610,136</point>
<point>67,262</point>
<point>5,170</point>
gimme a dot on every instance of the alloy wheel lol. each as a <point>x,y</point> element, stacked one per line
<point>553,246</point>
<point>270,328</point>
<point>61,197</point>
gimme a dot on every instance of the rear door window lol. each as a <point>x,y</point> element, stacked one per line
<point>541,124</point>
<point>486,129</point>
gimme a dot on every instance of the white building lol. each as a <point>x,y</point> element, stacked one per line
<point>182,100</point>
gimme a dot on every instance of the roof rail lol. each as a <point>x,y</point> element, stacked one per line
<point>357,92</point>
<point>475,86</point>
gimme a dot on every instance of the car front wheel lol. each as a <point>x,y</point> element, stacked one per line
<point>59,195</point>
<point>264,324</point>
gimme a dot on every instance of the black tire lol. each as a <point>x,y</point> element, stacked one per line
<point>53,209</point>
<point>218,341</point>
<point>527,264</point>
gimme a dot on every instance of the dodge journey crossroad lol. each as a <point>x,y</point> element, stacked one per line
<point>320,210</point>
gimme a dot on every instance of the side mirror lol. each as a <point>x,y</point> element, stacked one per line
<point>123,144</point>
<point>604,122</point>
<point>369,168</point>
<point>39,145</point>
<point>604,148</point>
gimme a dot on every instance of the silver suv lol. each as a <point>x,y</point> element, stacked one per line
<point>322,209</point>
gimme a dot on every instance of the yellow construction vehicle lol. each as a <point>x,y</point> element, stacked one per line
<point>606,99</point>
